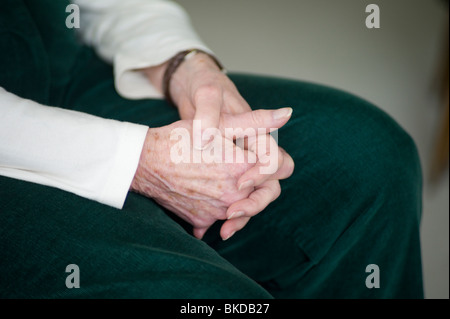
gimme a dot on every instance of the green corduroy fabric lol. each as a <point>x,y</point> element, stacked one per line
<point>353,200</point>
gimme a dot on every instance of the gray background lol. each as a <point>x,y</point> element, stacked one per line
<point>327,42</point>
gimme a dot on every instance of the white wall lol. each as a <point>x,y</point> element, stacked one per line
<point>327,42</point>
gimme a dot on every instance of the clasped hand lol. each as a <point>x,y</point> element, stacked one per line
<point>175,172</point>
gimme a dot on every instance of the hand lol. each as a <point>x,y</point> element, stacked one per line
<point>200,193</point>
<point>202,92</point>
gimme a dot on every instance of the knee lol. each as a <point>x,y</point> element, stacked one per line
<point>350,157</point>
<point>375,150</point>
<point>342,145</point>
<point>344,136</point>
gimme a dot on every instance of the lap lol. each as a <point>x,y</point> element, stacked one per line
<point>351,159</point>
<point>137,252</point>
<point>354,198</point>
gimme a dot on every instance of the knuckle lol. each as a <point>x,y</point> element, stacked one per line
<point>280,158</point>
<point>258,118</point>
<point>253,204</point>
<point>291,166</point>
<point>207,92</point>
<point>239,169</point>
<point>228,199</point>
<point>277,190</point>
<point>288,164</point>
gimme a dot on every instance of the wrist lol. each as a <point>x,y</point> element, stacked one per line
<point>140,183</point>
<point>174,84</point>
<point>155,75</point>
<point>186,67</point>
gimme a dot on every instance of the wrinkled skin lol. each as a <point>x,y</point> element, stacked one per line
<point>204,193</point>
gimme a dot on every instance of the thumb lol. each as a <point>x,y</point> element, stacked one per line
<point>269,120</point>
<point>207,115</point>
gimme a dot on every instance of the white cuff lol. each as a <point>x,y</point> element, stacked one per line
<point>132,83</point>
<point>130,144</point>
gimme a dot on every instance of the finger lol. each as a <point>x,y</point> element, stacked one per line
<point>236,104</point>
<point>207,111</point>
<point>186,110</point>
<point>233,155</point>
<point>287,166</point>
<point>236,223</point>
<point>254,177</point>
<point>254,122</point>
<point>270,160</point>
<point>230,227</point>
<point>200,232</point>
<point>256,202</point>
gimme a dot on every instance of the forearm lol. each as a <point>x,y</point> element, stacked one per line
<point>92,157</point>
<point>136,35</point>
<point>178,83</point>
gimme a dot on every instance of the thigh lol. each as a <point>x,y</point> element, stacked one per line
<point>137,252</point>
<point>92,90</point>
<point>354,199</point>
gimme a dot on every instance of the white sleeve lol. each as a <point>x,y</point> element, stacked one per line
<point>92,157</point>
<point>136,34</point>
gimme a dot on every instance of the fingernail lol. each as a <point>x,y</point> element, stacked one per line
<point>282,113</point>
<point>237,214</point>
<point>246,184</point>
<point>229,236</point>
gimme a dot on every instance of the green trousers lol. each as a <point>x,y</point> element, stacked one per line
<point>354,199</point>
